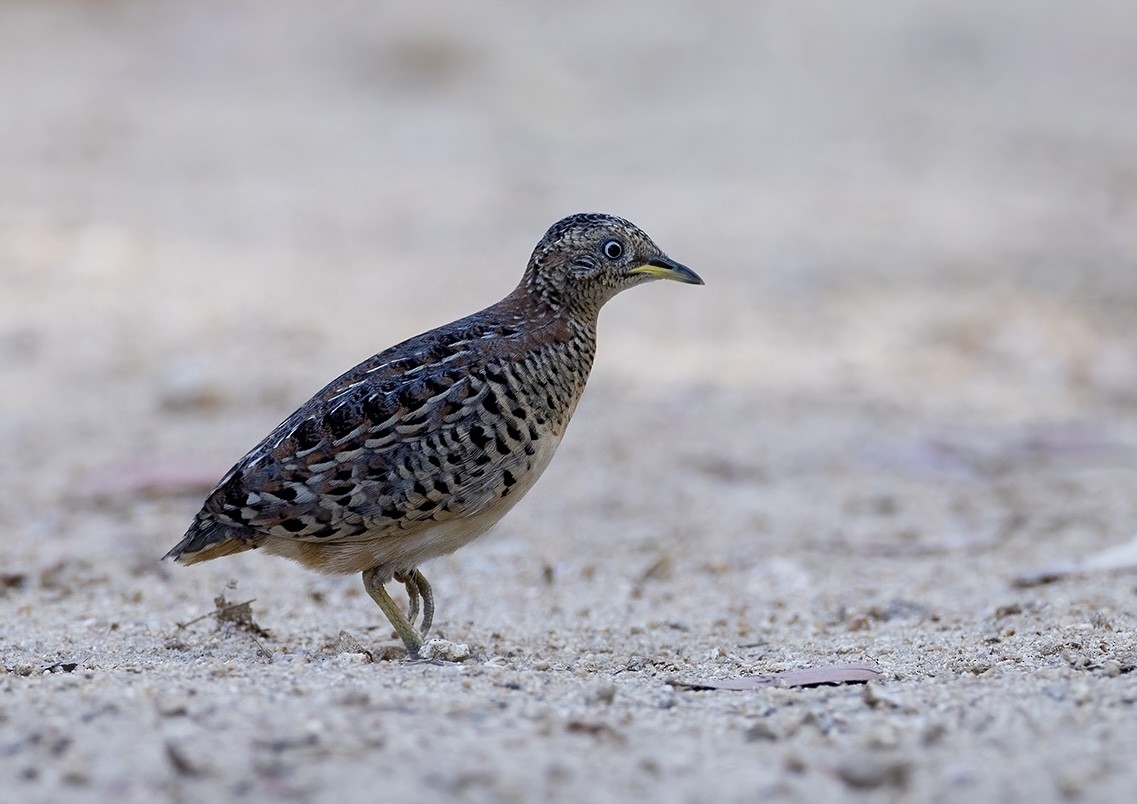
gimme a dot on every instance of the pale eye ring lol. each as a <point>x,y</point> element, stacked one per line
<point>613,249</point>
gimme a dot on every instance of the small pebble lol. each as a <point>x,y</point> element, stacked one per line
<point>868,772</point>
<point>445,650</point>
<point>602,692</point>
<point>760,731</point>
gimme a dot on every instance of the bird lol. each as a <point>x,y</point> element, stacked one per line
<point>423,447</point>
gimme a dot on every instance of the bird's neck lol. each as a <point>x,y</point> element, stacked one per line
<point>568,318</point>
<point>566,364</point>
<point>560,341</point>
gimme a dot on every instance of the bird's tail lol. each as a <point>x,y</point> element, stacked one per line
<point>207,538</point>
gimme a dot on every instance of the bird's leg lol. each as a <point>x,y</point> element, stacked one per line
<point>418,587</point>
<point>373,580</point>
<point>427,600</point>
<point>412,595</point>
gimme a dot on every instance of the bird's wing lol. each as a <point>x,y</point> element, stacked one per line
<point>389,447</point>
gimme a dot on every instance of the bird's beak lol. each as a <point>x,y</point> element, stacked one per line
<point>666,268</point>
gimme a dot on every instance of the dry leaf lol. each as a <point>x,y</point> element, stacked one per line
<point>240,614</point>
<point>808,677</point>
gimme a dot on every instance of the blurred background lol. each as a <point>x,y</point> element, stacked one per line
<point>920,212</point>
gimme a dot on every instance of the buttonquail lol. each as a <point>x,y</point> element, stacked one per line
<point>422,448</point>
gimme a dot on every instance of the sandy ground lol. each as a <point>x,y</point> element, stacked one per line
<point>910,378</point>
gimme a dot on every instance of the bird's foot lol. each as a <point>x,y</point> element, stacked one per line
<point>373,582</point>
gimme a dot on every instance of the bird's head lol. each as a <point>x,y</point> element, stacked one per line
<point>586,259</point>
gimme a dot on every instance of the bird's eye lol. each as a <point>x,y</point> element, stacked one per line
<point>613,249</point>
